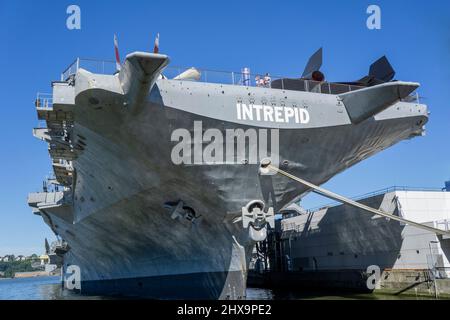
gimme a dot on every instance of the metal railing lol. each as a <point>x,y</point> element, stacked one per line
<point>44,100</point>
<point>240,78</point>
<point>92,65</point>
<point>265,80</point>
<point>219,77</point>
<point>443,224</point>
<point>375,193</point>
<point>413,98</point>
<point>58,244</point>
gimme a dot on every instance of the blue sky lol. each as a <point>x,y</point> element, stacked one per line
<point>226,35</point>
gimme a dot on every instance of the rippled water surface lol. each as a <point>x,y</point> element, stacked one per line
<point>49,288</point>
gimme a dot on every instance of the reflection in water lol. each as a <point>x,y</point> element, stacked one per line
<point>50,288</point>
<point>267,294</point>
<point>37,288</point>
<point>27,289</point>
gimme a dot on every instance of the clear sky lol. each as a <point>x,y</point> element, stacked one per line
<point>274,36</point>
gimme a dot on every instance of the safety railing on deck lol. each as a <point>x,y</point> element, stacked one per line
<point>412,98</point>
<point>91,65</point>
<point>376,193</point>
<point>240,78</point>
<point>263,80</point>
<point>44,100</point>
<point>443,224</point>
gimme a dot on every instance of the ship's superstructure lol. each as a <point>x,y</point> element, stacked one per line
<point>159,187</point>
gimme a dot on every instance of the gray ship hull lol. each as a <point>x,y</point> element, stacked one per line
<point>123,238</point>
<point>134,240</point>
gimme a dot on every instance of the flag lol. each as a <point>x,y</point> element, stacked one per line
<point>116,51</point>
<point>156,47</point>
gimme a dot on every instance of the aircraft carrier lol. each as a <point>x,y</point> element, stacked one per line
<point>158,191</point>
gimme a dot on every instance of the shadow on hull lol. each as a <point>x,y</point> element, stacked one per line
<point>195,286</point>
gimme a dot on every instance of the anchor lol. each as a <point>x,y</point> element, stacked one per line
<point>256,220</point>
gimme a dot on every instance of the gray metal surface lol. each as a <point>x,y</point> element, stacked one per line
<point>344,237</point>
<point>119,170</point>
<point>353,203</point>
<point>365,103</point>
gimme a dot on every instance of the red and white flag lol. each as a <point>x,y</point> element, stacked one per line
<point>156,47</point>
<point>116,51</point>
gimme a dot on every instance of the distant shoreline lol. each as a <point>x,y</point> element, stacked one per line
<point>30,274</point>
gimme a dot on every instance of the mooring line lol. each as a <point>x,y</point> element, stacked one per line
<point>350,202</point>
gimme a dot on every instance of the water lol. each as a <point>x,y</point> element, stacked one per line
<point>266,294</point>
<point>49,288</point>
<point>37,288</point>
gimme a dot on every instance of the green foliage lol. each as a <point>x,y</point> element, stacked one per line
<point>10,268</point>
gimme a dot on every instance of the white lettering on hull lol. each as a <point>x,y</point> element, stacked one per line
<point>254,112</point>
